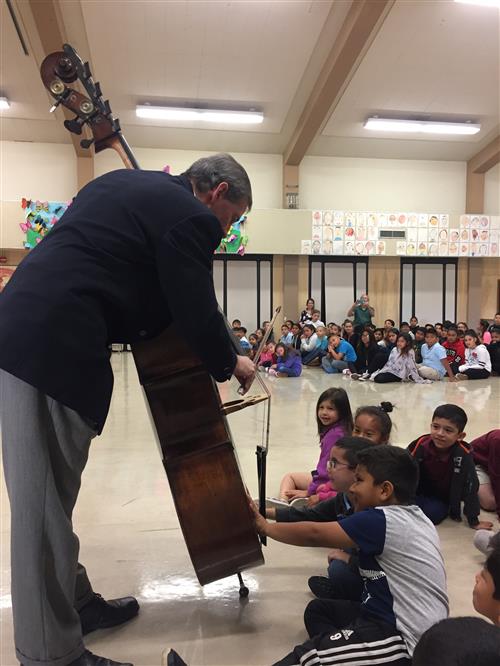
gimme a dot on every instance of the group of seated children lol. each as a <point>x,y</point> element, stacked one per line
<point>410,353</point>
<point>384,598</point>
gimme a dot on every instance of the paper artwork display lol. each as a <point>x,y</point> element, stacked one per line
<point>316,247</point>
<point>327,246</point>
<point>305,247</point>
<point>39,218</point>
<point>412,234</point>
<point>336,232</point>
<point>327,218</point>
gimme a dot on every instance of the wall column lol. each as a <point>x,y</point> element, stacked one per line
<point>384,275</point>
<point>290,186</point>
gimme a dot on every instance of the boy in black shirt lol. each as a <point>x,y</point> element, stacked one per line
<point>447,471</point>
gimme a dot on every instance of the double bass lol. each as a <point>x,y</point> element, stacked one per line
<point>185,406</point>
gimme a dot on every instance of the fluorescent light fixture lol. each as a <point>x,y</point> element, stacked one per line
<point>420,126</point>
<point>481,3</point>
<point>195,115</point>
<point>4,103</point>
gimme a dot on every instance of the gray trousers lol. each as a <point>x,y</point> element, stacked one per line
<point>45,449</point>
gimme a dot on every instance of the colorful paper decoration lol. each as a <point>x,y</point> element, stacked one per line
<point>40,218</point>
<point>236,239</point>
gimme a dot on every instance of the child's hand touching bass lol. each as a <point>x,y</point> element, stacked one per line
<point>260,521</point>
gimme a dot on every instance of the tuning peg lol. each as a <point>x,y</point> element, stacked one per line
<point>86,143</point>
<point>86,71</point>
<point>74,125</point>
<point>107,107</point>
<point>55,105</point>
<point>98,91</point>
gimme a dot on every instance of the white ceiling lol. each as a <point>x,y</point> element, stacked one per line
<point>430,57</point>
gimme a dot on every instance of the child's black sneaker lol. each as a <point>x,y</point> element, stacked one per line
<point>321,587</point>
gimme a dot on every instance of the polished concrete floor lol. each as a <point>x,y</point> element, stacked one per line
<point>131,542</point>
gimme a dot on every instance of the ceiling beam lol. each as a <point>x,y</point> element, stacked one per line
<point>44,28</point>
<point>486,158</point>
<point>358,31</point>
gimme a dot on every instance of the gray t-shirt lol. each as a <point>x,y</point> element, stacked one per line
<point>402,568</point>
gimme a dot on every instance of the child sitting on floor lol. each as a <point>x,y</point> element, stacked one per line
<point>400,366</point>
<point>455,350</point>
<point>286,335</point>
<point>434,364</point>
<point>494,350</point>
<point>340,355</point>
<point>268,356</point>
<point>334,419</point>
<point>314,357</point>
<point>288,362</point>
<point>477,359</point>
<point>366,350</point>
<point>447,471</point>
<point>308,340</point>
<point>400,562</point>
<point>486,454</point>
<point>419,341</point>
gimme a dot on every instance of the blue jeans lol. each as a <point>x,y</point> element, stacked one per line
<point>435,509</point>
<point>348,584</point>
<point>310,356</point>
<point>291,372</point>
<point>331,366</point>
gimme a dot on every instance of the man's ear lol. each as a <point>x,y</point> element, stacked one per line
<point>461,436</point>
<point>220,191</point>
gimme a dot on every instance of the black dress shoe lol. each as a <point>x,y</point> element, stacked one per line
<point>102,614</point>
<point>90,659</point>
<point>173,659</point>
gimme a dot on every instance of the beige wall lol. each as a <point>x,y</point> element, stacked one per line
<point>265,171</point>
<point>345,183</point>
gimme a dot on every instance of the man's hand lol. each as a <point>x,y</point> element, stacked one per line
<point>244,371</point>
<point>313,500</point>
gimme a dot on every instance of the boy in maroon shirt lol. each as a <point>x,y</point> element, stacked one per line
<point>447,470</point>
<point>455,349</point>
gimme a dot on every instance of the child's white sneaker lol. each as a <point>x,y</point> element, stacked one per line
<point>299,502</point>
<point>275,502</point>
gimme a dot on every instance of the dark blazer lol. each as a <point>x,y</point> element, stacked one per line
<point>132,254</point>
